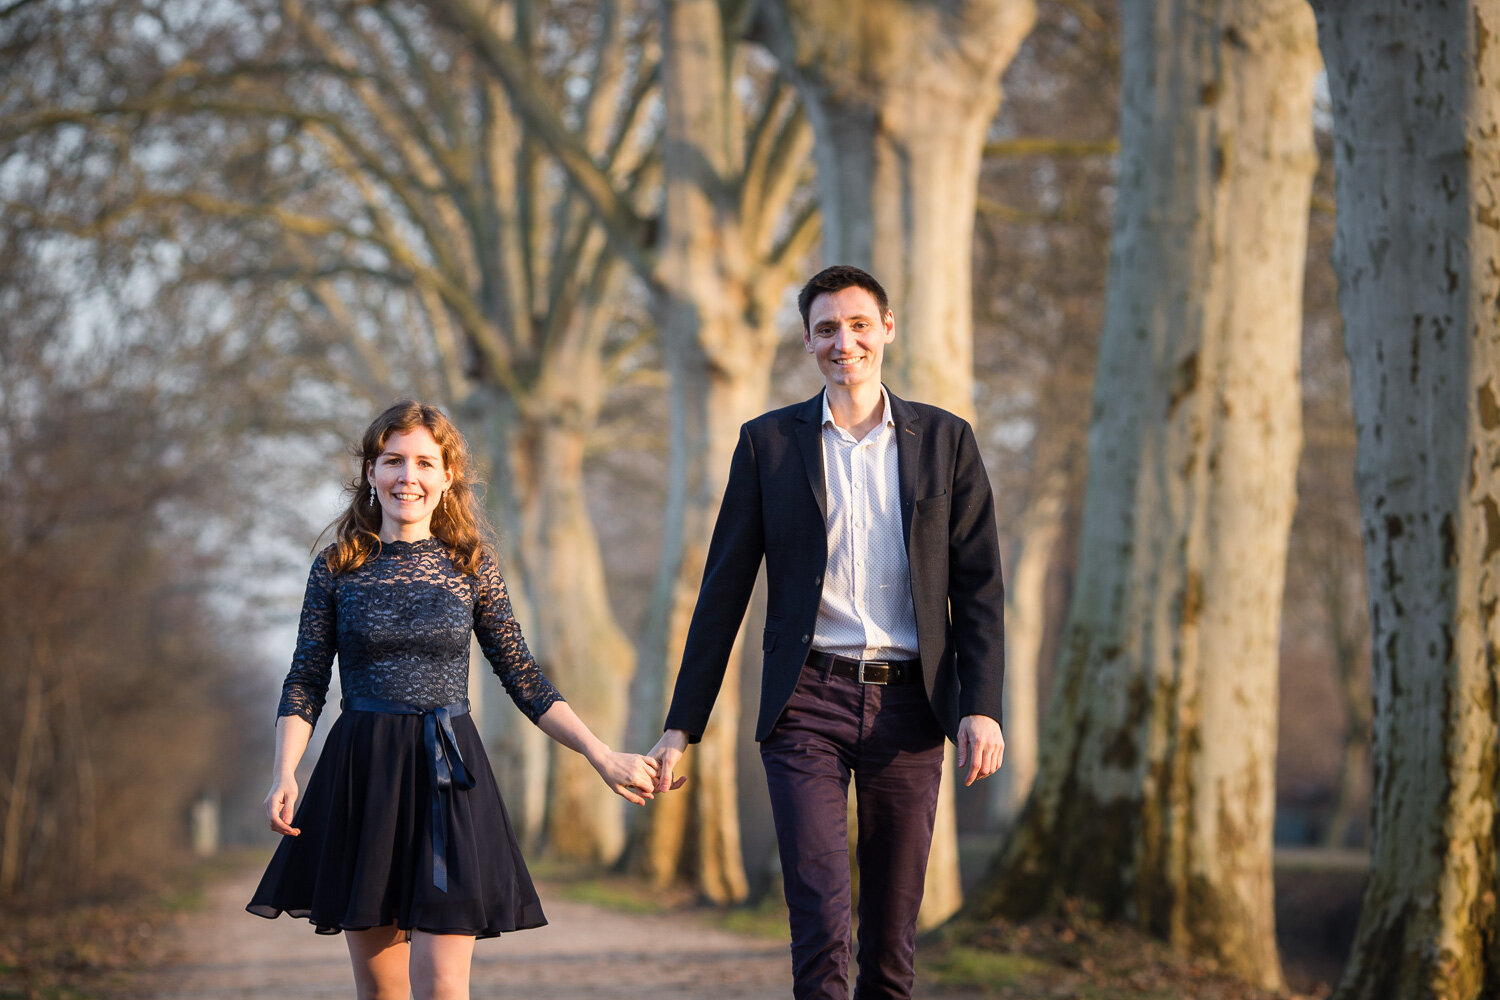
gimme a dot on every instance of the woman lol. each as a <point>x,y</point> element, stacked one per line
<point>402,842</point>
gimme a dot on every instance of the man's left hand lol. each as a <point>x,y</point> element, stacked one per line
<point>980,745</point>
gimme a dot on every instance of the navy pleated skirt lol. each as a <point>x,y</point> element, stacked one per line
<point>364,857</point>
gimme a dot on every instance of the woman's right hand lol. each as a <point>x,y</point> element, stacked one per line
<point>281,804</point>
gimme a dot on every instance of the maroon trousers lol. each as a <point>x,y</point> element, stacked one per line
<point>889,739</point>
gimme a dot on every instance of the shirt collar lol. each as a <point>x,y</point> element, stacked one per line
<point>886,419</point>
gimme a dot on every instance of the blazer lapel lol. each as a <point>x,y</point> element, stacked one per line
<point>810,441</point>
<point>908,458</point>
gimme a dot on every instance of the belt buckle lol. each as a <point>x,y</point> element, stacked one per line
<point>873,663</point>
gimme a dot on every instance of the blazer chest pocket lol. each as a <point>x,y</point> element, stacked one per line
<point>929,526</point>
<point>931,514</point>
<point>937,502</point>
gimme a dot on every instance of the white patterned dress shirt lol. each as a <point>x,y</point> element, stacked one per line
<point>866,610</point>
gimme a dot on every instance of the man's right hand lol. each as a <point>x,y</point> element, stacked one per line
<point>667,752</point>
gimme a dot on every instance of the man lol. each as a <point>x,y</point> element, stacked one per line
<point>883,633</point>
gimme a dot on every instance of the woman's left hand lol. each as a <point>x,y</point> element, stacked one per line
<point>631,776</point>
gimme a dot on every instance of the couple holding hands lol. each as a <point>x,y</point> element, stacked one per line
<point>884,635</point>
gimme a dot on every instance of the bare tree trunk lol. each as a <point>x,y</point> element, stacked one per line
<point>1352,786</point>
<point>720,372</point>
<point>1037,531</point>
<point>588,655</point>
<point>519,751</point>
<point>696,836</point>
<point>20,784</point>
<point>900,96</point>
<point>84,830</point>
<point>1155,795</point>
<point>1416,100</point>
<point>537,488</point>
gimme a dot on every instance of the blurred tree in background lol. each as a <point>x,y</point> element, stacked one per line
<point>1041,252</point>
<point>125,694</point>
<point>1141,806</point>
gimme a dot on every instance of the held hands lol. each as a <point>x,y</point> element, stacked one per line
<point>629,775</point>
<point>980,745</point>
<point>667,752</point>
<point>638,778</point>
<point>281,804</point>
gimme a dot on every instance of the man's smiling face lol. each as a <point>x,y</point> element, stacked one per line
<point>847,335</point>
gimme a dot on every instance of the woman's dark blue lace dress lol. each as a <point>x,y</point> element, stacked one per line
<point>400,626</point>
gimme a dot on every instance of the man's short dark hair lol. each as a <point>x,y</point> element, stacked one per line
<point>836,279</point>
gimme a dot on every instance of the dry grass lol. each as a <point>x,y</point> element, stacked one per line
<point>81,949</point>
<point>1071,955</point>
<point>87,948</point>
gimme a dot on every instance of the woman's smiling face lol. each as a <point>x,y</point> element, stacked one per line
<point>409,477</point>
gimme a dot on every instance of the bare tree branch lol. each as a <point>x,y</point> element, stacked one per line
<point>627,230</point>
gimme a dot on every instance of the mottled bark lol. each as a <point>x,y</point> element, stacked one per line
<point>1416,101</point>
<point>1155,795</point>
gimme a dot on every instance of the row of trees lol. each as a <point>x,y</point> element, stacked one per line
<point>122,699</point>
<point>496,203</point>
<point>1158,721</point>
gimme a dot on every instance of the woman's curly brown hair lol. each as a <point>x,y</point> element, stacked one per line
<point>459,522</point>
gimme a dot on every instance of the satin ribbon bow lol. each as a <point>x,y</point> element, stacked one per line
<point>445,766</point>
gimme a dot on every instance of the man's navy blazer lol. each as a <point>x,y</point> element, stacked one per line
<point>775,507</point>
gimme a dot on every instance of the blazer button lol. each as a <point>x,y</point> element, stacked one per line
<point>807,638</point>
<point>817,581</point>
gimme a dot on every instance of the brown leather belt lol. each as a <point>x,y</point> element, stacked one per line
<point>867,671</point>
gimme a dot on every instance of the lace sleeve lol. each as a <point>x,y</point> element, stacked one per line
<point>306,683</point>
<point>505,647</point>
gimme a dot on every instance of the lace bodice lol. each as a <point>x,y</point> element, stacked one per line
<point>400,625</point>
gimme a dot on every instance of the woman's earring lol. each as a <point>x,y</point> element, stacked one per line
<point>372,494</point>
<point>443,501</point>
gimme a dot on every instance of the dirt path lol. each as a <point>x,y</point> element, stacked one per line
<point>584,953</point>
<point>589,953</point>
